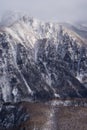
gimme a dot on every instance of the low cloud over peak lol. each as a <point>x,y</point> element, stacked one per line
<point>49,10</point>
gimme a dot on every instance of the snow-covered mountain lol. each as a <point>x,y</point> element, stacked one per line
<point>41,60</point>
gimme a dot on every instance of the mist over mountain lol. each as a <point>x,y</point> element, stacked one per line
<point>54,10</point>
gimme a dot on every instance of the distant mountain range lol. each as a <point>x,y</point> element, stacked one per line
<point>42,60</point>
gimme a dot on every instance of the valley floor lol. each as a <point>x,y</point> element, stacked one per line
<point>51,116</point>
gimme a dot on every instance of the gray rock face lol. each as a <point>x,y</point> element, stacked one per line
<point>41,62</point>
<point>11,116</point>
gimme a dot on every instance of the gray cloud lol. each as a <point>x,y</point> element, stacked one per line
<point>54,10</point>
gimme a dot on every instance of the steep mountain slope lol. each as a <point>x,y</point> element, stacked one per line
<point>79,28</point>
<point>40,61</point>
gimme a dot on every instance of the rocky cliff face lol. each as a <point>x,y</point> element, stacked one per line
<point>41,61</point>
<point>12,116</point>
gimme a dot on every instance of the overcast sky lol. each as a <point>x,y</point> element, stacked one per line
<point>48,10</point>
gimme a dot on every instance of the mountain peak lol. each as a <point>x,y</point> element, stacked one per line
<point>40,59</point>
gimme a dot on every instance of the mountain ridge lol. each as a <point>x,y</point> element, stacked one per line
<point>41,61</point>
